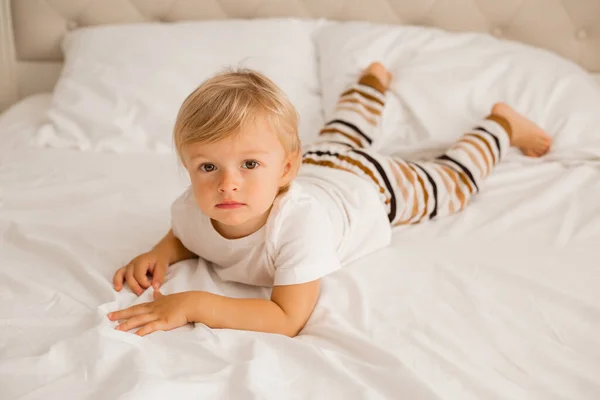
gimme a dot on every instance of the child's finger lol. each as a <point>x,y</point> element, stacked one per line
<point>119,278</point>
<point>136,322</point>
<point>133,311</point>
<point>151,327</point>
<point>158,275</point>
<point>140,275</point>
<point>133,283</point>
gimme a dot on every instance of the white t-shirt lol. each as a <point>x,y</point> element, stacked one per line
<point>326,219</point>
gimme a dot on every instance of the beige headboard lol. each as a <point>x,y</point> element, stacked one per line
<point>31,30</point>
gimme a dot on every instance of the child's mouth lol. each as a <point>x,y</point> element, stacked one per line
<point>228,205</point>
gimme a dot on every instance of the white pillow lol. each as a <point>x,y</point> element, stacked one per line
<point>122,85</point>
<point>445,82</point>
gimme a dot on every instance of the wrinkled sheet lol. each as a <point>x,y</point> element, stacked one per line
<point>498,302</point>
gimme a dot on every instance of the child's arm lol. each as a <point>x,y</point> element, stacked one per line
<point>166,252</point>
<point>285,313</point>
<point>173,249</point>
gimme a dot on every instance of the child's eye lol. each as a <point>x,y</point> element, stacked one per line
<point>207,167</point>
<point>250,164</point>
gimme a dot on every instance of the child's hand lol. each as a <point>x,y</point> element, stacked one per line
<point>135,273</point>
<point>162,314</point>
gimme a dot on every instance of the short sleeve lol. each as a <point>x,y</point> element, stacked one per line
<point>186,221</point>
<point>305,248</point>
<point>178,215</point>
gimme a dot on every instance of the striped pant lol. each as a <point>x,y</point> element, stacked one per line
<point>411,191</point>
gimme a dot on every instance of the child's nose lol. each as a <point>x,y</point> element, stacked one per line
<point>229,183</point>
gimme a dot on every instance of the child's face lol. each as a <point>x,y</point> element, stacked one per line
<point>236,180</point>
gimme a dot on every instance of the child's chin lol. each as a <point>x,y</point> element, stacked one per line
<point>231,219</point>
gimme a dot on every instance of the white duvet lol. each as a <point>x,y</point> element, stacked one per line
<point>498,302</point>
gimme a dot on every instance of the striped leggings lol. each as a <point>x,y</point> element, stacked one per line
<point>411,191</point>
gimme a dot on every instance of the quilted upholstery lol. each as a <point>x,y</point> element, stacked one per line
<point>570,28</point>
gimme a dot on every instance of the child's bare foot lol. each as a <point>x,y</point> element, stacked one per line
<point>379,71</point>
<point>526,135</point>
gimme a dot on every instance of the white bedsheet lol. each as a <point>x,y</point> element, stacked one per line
<point>498,302</point>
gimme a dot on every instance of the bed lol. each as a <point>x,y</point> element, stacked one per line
<point>498,302</point>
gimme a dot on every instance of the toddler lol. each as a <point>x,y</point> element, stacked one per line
<point>262,213</point>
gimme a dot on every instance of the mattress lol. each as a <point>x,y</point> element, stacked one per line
<point>497,302</point>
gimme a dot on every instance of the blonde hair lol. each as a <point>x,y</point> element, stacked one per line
<point>222,105</point>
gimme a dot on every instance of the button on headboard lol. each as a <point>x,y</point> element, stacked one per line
<point>570,28</point>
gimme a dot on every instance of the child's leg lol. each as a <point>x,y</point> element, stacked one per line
<point>445,186</point>
<point>356,120</point>
<point>436,188</point>
<point>344,143</point>
<point>413,192</point>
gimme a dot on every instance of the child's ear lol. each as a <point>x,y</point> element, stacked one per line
<point>290,168</point>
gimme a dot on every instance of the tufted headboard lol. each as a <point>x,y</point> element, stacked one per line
<point>31,30</point>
